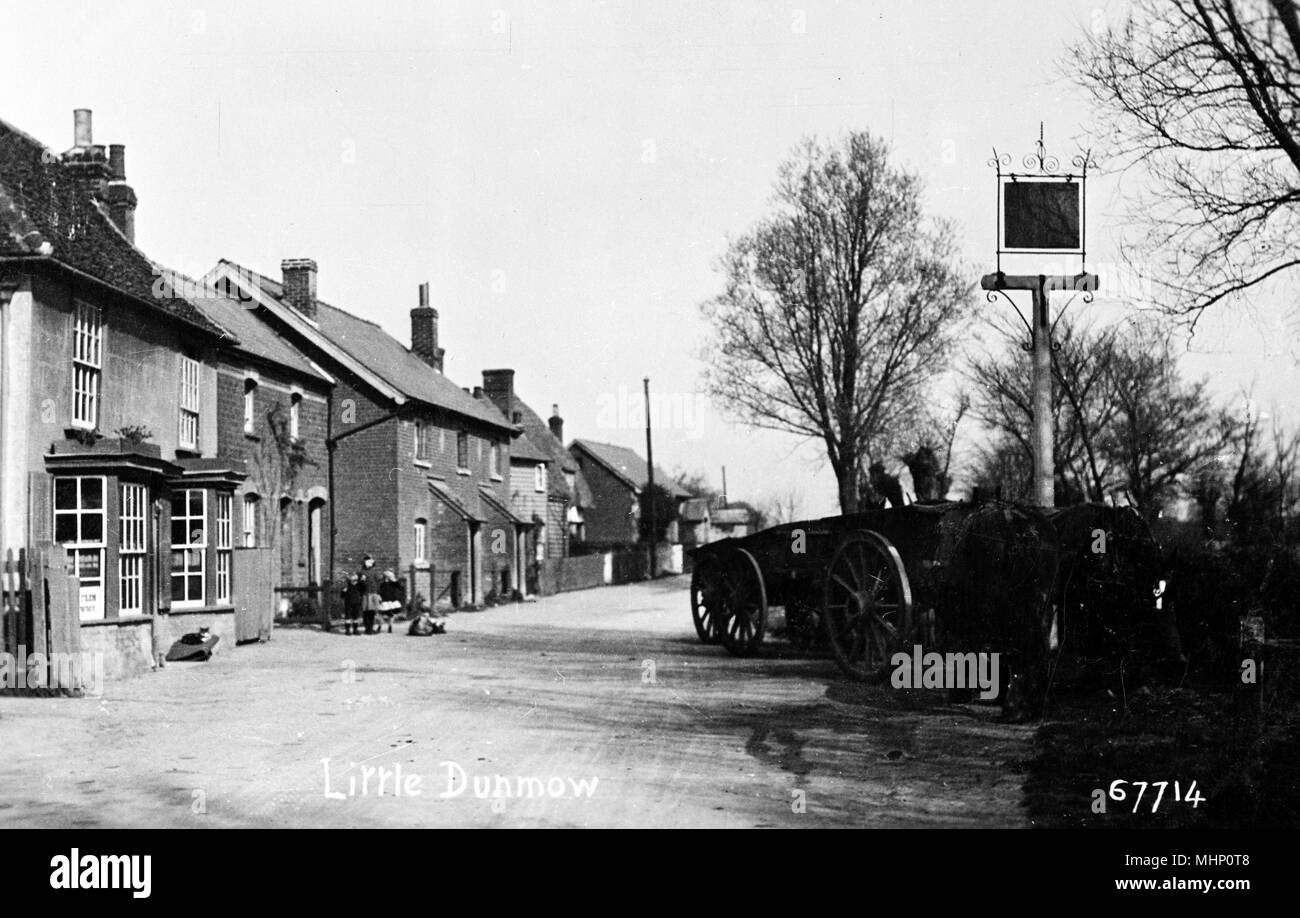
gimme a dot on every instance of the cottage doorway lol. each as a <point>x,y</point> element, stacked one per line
<point>314,511</point>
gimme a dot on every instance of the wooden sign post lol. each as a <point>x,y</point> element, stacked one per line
<point>1041,211</point>
<point>1042,439</point>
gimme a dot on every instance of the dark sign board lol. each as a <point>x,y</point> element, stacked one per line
<point>1041,215</point>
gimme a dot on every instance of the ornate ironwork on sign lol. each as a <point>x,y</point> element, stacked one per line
<point>1042,210</point>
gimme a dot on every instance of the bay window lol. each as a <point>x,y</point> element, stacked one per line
<point>189,547</point>
<point>80,518</point>
<point>133,545</point>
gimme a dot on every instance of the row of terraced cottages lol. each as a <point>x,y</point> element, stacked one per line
<point>189,441</point>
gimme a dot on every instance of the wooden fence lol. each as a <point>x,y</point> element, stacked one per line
<point>38,602</point>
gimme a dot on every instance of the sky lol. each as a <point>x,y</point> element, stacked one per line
<point>566,175</point>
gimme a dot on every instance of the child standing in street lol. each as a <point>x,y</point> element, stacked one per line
<point>391,598</point>
<point>352,604</point>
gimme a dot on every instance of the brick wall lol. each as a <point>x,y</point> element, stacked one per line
<point>365,498</point>
<point>284,523</point>
<point>557,529</point>
<point>608,519</point>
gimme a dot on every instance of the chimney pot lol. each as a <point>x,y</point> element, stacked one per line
<point>500,387</point>
<point>478,391</point>
<point>299,276</point>
<point>424,331</point>
<point>117,162</point>
<point>81,128</point>
<point>556,423</point>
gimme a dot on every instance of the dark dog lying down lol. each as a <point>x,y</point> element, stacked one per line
<point>423,625</point>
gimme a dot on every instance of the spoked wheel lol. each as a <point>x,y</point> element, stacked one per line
<point>867,605</point>
<point>707,588</point>
<point>742,617</point>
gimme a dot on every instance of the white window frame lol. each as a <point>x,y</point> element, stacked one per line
<point>81,547</point>
<point>188,422</point>
<point>87,365</point>
<point>421,540</point>
<point>225,546</point>
<point>251,504</point>
<point>462,452</point>
<point>295,415</point>
<point>420,447</point>
<point>539,477</point>
<point>494,459</point>
<point>250,406</point>
<point>191,549</point>
<point>132,547</point>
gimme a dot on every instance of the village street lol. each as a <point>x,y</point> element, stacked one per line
<point>608,686</point>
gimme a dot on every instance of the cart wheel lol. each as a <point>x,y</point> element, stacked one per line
<point>867,605</point>
<point>742,616</point>
<point>706,592</point>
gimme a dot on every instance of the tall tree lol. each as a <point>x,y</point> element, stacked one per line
<point>1081,409</point>
<point>839,307</point>
<point>1204,96</point>
<point>1164,427</point>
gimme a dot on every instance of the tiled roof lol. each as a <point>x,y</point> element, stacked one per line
<point>626,464</point>
<point>540,437</point>
<point>694,510</point>
<point>387,358</point>
<point>443,493</point>
<point>523,448</point>
<point>46,213</point>
<point>255,336</point>
<point>486,495</point>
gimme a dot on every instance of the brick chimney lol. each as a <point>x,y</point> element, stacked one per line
<point>424,331</point>
<point>499,385</point>
<point>556,423</point>
<point>300,285</point>
<point>86,161</point>
<point>119,196</point>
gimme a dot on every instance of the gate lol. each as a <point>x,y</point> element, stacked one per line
<point>39,607</point>
<point>254,577</point>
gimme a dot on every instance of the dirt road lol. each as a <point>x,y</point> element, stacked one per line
<point>597,708</point>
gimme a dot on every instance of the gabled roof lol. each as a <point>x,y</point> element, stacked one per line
<point>525,450</point>
<point>46,214</point>
<point>254,336</point>
<point>694,510</point>
<point>626,465</point>
<point>372,353</point>
<point>468,514</point>
<point>485,494</point>
<point>540,438</point>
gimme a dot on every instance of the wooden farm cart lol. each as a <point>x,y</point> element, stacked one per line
<point>966,576</point>
<point>853,576</point>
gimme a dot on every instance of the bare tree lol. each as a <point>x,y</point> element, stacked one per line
<point>1164,427</point>
<point>839,307</point>
<point>783,507</point>
<point>1204,97</point>
<point>1081,408</point>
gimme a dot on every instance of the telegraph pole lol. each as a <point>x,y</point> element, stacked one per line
<point>650,484</point>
